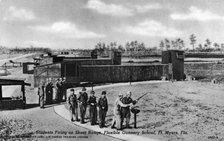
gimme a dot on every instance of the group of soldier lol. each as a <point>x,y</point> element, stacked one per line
<point>81,101</point>
<point>46,91</point>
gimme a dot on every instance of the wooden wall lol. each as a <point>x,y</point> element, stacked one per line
<point>122,73</point>
<point>41,73</point>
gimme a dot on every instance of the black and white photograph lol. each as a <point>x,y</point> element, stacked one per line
<point>111,70</point>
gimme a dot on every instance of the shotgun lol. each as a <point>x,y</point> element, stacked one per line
<point>141,96</point>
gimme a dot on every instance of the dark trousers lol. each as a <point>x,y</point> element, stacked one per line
<point>82,112</point>
<point>102,116</point>
<point>49,97</point>
<point>93,114</point>
<point>60,96</point>
<point>73,109</point>
<point>126,113</point>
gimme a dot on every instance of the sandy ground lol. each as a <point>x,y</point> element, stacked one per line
<point>31,123</point>
<point>170,111</point>
<point>176,111</point>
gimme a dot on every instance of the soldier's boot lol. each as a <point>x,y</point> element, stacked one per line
<point>82,120</point>
<point>101,125</point>
<point>77,119</point>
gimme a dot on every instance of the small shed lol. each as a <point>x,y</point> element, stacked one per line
<point>10,103</point>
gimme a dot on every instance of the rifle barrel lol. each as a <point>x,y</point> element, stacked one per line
<point>142,96</point>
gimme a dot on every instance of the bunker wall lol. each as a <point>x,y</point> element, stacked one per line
<point>117,73</point>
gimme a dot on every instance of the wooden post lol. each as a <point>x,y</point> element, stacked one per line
<point>24,97</point>
<point>135,120</point>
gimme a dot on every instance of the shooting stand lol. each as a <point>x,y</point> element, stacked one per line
<point>135,111</point>
<point>8,102</point>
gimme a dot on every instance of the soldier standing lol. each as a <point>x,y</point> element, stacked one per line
<point>92,108</point>
<point>49,91</point>
<point>83,97</point>
<point>117,112</point>
<point>64,88</point>
<point>46,91</point>
<point>73,105</point>
<point>126,113</point>
<point>41,94</point>
<point>103,108</point>
<point>57,85</point>
<point>60,93</point>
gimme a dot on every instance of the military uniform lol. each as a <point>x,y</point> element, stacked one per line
<point>103,108</point>
<point>92,109</point>
<point>126,113</point>
<point>73,106</point>
<point>83,97</point>
<point>41,95</point>
<point>59,91</point>
<point>49,93</point>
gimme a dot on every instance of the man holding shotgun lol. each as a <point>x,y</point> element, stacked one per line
<point>126,111</point>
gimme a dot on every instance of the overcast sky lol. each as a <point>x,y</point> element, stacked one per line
<point>83,23</point>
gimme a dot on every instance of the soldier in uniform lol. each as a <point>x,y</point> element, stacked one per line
<point>126,113</point>
<point>41,94</point>
<point>117,112</point>
<point>57,85</point>
<point>92,108</point>
<point>73,105</point>
<point>64,88</point>
<point>83,97</point>
<point>103,108</point>
<point>45,92</point>
<point>49,91</point>
<point>60,93</point>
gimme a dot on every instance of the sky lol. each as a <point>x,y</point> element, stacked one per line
<point>62,24</point>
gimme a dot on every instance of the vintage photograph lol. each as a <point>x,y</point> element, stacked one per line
<point>111,70</point>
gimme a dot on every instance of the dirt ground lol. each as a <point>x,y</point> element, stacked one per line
<point>32,122</point>
<point>176,111</point>
<point>170,111</point>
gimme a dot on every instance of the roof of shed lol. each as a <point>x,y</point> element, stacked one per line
<point>13,81</point>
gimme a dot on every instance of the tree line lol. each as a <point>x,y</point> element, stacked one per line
<point>133,48</point>
<point>207,46</point>
<point>139,49</point>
